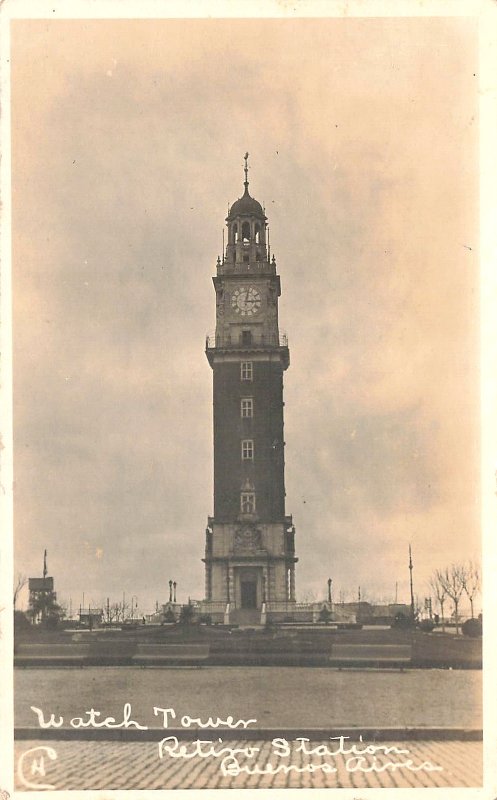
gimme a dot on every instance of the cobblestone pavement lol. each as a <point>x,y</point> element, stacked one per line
<point>138,765</point>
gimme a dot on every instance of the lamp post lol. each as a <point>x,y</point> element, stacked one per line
<point>410,582</point>
<point>174,588</point>
<point>329,590</point>
<point>170,591</point>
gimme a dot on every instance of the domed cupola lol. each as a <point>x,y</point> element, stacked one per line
<point>246,205</point>
<point>246,223</point>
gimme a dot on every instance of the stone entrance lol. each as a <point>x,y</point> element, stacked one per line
<point>248,592</point>
<point>248,587</point>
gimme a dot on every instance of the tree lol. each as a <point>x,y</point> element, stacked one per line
<point>44,608</point>
<point>452,579</point>
<point>55,613</point>
<point>310,597</point>
<point>471,583</point>
<point>19,584</point>
<point>438,589</point>
<point>186,614</point>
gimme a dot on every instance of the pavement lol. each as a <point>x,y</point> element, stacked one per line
<point>434,719</point>
<point>138,765</point>
<point>284,698</point>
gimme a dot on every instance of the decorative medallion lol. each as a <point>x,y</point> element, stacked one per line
<point>248,539</point>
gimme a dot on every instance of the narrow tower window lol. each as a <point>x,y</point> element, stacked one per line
<point>235,232</point>
<point>247,502</point>
<point>246,231</point>
<point>247,407</point>
<point>257,233</point>
<point>247,449</point>
<point>246,370</point>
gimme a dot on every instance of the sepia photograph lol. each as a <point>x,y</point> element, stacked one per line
<point>245,289</point>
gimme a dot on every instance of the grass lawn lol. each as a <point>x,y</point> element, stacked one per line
<point>258,646</point>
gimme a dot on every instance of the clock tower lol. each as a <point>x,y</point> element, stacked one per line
<point>249,550</point>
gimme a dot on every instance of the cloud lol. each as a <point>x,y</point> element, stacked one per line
<point>364,158</point>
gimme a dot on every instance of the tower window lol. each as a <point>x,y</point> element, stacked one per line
<point>247,449</point>
<point>246,231</point>
<point>257,233</point>
<point>258,256</point>
<point>246,370</point>
<point>247,502</point>
<point>235,232</point>
<point>247,407</point>
<point>246,337</point>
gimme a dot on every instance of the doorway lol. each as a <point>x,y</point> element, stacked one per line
<point>249,594</point>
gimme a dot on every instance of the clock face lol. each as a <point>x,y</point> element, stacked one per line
<point>246,301</point>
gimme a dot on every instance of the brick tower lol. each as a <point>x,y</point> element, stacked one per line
<point>249,550</point>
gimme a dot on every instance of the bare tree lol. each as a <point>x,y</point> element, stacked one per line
<point>342,596</point>
<point>19,584</point>
<point>309,596</point>
<point>471,583</point>
<point>452,579</point>
<point>123,611</point>
<point>438,589</point>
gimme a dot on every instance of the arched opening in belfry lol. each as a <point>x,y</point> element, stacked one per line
<point>246,232</point>
<point>257,233</point>
<point>235,232</point>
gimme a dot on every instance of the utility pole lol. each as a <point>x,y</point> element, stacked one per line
<point>410,582</point>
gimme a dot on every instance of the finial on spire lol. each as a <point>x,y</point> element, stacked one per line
<point>245,169</point>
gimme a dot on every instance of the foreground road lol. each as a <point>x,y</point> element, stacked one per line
<point>116,765</point>
<point>289,697</point>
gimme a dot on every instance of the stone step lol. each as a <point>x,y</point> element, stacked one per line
<point>245,616</point>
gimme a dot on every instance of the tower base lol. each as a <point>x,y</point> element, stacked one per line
<point>249,564</point>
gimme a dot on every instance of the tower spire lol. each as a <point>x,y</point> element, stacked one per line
<point>245,169</point>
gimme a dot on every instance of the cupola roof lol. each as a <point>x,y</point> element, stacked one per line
<point>245,204</point>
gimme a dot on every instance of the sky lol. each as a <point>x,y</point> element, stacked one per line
<point>128,139</point>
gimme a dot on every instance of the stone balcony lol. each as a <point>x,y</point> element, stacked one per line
<point>215,343</point>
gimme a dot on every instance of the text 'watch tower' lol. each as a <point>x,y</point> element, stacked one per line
<point>250,549</point>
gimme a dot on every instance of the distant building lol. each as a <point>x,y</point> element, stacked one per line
<point>42,597</point>
<point>375,613</point>
<point>91,617</point>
